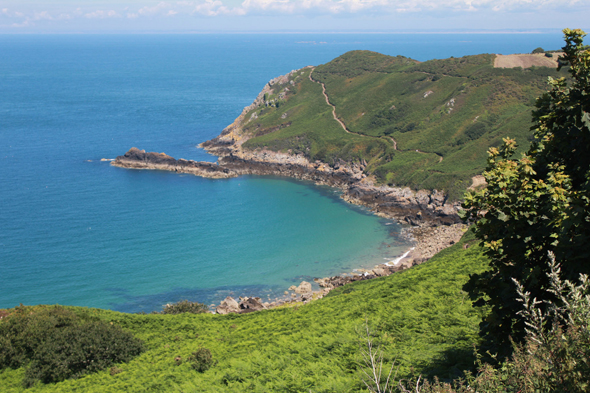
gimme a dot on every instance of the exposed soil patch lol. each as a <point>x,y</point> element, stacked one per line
<point>526,60</point>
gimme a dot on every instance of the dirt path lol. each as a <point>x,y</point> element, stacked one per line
<point>344,125</point>
<point>336,117</point>
<point>440,158</point>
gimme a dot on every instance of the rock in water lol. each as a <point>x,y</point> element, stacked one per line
<point>251,304</point>
<point>304,287</point>
<point>229,305</point>
<point>139,159</point>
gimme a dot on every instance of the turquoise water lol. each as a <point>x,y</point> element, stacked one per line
<point>76,231</point>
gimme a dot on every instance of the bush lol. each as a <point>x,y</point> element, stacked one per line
<point>25,329</point>
<point>56,344</point>
<point>539,50</point>
<point>74,351</point>
<point>201,360</point>
<point>535,204</point>
<point>185,306</point>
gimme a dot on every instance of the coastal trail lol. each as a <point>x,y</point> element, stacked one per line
<point>336,117</point>
<point>393,141</point>
<point>352,132</point>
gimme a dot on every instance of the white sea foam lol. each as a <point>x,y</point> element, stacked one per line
<point>398,259</point>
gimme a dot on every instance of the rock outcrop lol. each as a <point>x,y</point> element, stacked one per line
<point>139,159</point>
<point>251,304</point>
<point>246,305</point>
<point>303,288</point>
<point>227,306</point>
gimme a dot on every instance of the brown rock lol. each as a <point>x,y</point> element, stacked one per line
<point>304,287</point>
<point>229,305</point>
<point>251,304</point>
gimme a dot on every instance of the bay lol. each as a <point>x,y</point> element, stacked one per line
<point>76,231</point>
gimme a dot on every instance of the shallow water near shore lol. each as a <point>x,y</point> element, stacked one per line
<point>76,231</point>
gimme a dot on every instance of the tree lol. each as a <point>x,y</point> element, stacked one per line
<point>536,204</point>
<point>538,50</point>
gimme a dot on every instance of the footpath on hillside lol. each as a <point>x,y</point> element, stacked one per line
<point>336,116</point>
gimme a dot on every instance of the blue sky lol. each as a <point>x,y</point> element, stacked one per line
<point>74,16</point>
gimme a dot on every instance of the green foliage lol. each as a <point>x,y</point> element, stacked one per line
<point>73,351</point>
<point>359,62</point>
<point>185,306</point>
<point>25,329</point>
<point>538,50</point>
<point>555,356</point>
<point>536,204</point>
<point>56,344</point>
<point>201,360</point>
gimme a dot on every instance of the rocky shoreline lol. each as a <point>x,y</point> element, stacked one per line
<point>434,224</point>
<point>420,208</point>
<point>139,159</point>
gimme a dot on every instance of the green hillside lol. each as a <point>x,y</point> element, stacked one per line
<point>421,316</point>
<point>442,114</point>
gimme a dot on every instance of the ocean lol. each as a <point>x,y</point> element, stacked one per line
<point>76,231</point>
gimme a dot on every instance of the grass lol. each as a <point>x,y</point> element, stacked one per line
<point>424,320</point>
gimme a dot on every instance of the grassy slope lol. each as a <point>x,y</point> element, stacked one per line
<point>308,126</point>
<point>472,107</point>
<point>423,318</point>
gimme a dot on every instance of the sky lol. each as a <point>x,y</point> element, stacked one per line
<point>194,16</point>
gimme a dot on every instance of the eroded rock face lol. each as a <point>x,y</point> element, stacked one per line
<point>417,208</point>
<point>229,305</point>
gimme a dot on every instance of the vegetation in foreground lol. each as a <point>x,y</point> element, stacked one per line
<point>536,204</point>
<point>55,344</point>
<point>554,357</point>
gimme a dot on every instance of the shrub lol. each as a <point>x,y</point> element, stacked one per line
<point>201,360</point>
<point>56,344</point>
<point>25,329</point>
<point>73,351</point>
<point>185,306</point>
<point>538,50</point>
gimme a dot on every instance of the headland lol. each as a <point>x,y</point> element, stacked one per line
<point>400,137</point>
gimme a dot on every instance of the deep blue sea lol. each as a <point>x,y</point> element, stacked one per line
<point>76,231</point>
